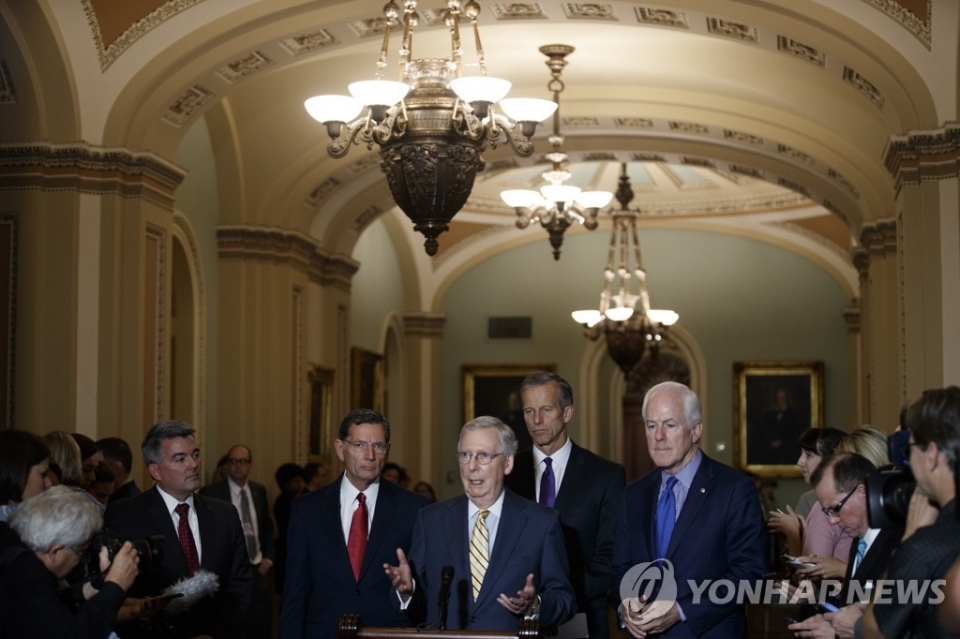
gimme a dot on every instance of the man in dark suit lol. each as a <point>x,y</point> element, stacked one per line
<point>932,540</point>
<point>198,533</point>
<point>341,535</point>
<point>695,516</point>
<point>118,456</point>
<point>498,544</point>
<point>586,490</point>
<point>840,483</point>
<point>250,500</point>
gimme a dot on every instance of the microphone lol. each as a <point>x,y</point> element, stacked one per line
<point>446,578</point>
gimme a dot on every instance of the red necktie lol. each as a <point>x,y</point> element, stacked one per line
<point>186,540</point>
<point>357,542</point>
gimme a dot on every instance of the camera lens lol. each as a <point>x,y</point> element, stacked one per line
<point>150,551</point>
<point>888,498</point>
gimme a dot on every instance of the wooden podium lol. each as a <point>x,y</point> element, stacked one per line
<point>351,627</point>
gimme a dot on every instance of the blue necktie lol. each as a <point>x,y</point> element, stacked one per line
<point>861,550</point>
<point>666,517</point>
<point>548,485</point>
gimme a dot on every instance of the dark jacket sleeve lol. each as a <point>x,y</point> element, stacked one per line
<point>32,608</point>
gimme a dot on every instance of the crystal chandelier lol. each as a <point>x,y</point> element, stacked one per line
<point>557,206</point>
<point>433,125</point>
<point>625,317</point>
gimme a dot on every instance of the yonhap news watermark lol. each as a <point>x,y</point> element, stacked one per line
<point>655,581</point>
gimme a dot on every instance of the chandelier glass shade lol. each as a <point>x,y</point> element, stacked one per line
<point>433,125</point>
<point>557,206</point>
<point>624,316</point>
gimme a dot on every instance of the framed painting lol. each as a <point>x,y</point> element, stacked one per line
<point>773,404</point>
<point>321,435</point>
<point>494,389</point>
<point>366,383</point>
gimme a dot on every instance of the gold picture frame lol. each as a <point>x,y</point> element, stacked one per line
<point>321,434</point>
<point>773,404</point>
<point>366,379</point>
<point>487,389</point>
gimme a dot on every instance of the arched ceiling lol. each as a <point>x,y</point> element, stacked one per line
<point>783,107</point>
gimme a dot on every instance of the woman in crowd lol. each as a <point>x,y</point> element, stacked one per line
<point>426,489</point>
<point>56,528</point>
<point>868,441</point>
<point>65,453</point>
<point>806,529</point>
<point>24,462</point>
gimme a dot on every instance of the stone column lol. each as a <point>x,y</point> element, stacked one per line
<point>423,334</point>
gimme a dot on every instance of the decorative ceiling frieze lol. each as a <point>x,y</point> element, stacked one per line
<point>633,123</point>
<point>863,85</point>
<point>322,192</point>
<point>518,11</point>
<point>735,30</point>
<point>309,42</point>
<point>796,154</point>
<point>184,107</point>
<point>924,155</point>
<point>243,67</point>
<point>802,51</point>
<point>117,25</point>
<point>743,138</point>
<point>590,11</point>
<point>913,15</point>
<point>662,17</point>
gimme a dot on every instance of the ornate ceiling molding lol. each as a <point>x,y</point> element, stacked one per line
<point>917,25</point>
<point>924,155</point>
<point>878,240</point>
<point>287,248</point>
<point>108,52</point>
<point>424,324</point>
<point>89,169</point>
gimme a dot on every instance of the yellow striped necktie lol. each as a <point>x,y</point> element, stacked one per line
<point>479,552</point>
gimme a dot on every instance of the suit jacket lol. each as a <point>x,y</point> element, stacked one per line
<point>126,491</point>
<point>30,604</point>
<point>529,540</point>
<point>221,490</point>
<point>873,566</point>
<point>223,551</point>
<point>319,586</point>
<point>587,501</point>
<point>719,534</point>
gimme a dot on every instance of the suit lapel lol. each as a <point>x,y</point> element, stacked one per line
<point>513,520</point>
<point>700,490</point>
<point>333,533</point>
<point>207,533</point>
<point>574,480</point>
<point>877,550</point>
<point>382,520</point>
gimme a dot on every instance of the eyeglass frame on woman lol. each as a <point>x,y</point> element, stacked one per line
<point>834,511</point>
<point>483,458</point>
<point>380,448</point>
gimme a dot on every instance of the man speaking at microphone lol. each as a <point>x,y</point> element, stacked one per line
<point>507,553</point>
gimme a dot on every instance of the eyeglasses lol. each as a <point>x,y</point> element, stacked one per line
<point>834,511</point>
<point>82,553</point>
<point>482,458</point>
<point>380,448</point>
<point>238,462</point>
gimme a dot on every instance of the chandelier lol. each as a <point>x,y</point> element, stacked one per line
<point>557,206</point>
<point>625,317</point>
<point>433,125</point>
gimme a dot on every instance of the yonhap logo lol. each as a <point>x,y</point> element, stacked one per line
<point>650,581</point>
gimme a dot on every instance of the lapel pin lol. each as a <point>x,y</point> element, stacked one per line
<point>703,491</point>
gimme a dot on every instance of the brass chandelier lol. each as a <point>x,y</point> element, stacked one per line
<point>557,206</point>
<point>433,125</point>
<point>625,318</point>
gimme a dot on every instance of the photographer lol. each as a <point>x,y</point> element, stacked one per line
<point>56,527</point>
<point>927,552</point>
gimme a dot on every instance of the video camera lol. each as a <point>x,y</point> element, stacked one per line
<point>150,551</point>
<point>889,491</point>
